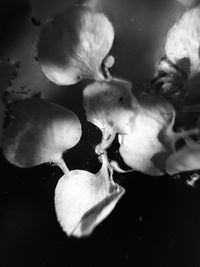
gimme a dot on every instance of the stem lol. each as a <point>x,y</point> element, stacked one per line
<point>60,163</point>
<point>115,166</point>
<point>106,141</point>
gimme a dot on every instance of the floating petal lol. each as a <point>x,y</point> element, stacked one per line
<point>39,133</point>
<point>111,106</point>
<point>73,45</point>
<point>185,159</point>
<point>83,200</point>
<point>146,147</point>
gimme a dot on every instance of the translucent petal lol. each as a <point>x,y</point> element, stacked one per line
<point>40,132</point>
<point>83,200</point>
<point>185,159</point>
<point>80,40</point>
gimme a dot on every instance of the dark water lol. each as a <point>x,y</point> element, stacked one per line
<point>156,223</point>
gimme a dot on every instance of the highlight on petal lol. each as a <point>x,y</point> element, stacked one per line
<point>111,106</point>
<point>185,159</point>
<point>40,132</point>
<point>83,199</point>
<point>145,148</point>
<point>79,39</point>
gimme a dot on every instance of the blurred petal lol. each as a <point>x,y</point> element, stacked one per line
<point>39,133</point>
<point>185,159</point>
<point>83,199</point>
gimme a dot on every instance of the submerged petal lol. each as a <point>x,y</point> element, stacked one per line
<point>110,103</point>
<point>80,39</point>
<point>145,148</point>
<point>40,132</point>
<point>83,199</point>
<point>111,106</point>
<point>185,159</point>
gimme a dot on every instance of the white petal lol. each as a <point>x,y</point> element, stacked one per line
<point>83,200</point>
<point>110,104</point>
<point>80,40</point>
<point>138,148</point>
<point>147,146</point>
<point>98,213</point>
<point>40,132</point>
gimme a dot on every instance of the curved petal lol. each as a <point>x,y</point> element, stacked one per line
<point>80,39</point>
<point>83,199</point>
<point>39,133</point>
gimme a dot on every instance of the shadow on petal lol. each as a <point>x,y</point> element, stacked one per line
<point>147,146</point>
<point>83,199</point>
<point>40,132</point>
<point>111,106</point>
<point>98,213</point>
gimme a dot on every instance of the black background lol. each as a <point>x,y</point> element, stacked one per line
<point>156,223</point>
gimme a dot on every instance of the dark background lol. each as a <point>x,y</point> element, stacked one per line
<point>157,222</point>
